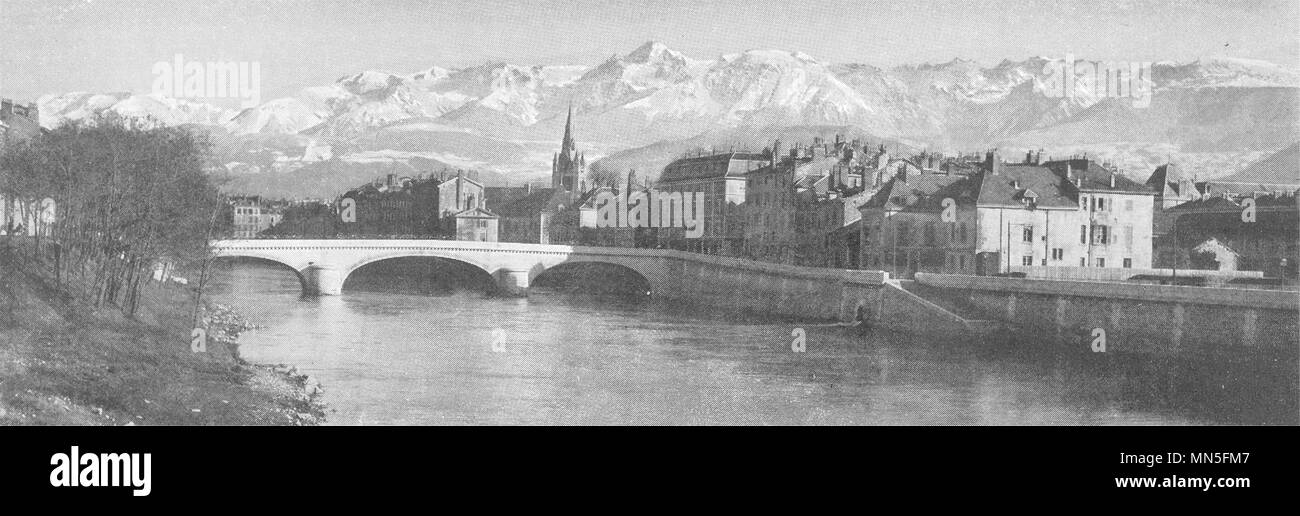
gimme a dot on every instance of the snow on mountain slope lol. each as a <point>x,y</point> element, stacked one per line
<point>55,109</point>
<point>509,117</point>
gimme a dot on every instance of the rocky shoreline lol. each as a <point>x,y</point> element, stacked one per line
<point>299,392</point>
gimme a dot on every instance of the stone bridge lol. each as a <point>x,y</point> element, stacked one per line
<point>324,265</point>
<point>709,281</point>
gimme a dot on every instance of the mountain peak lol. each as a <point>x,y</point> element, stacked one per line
<point>652,50</point>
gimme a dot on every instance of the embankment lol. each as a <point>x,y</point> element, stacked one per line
<point>63,363</point>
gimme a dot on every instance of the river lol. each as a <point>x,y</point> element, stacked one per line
<point>396,349</point>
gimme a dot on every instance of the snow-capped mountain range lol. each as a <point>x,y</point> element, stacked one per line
<point>509,118</point>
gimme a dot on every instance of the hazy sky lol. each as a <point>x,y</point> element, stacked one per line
<point>51,46</point>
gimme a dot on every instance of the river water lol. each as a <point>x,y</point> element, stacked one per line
<point>397,350</point>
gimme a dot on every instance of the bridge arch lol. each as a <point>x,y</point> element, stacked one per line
<point>297,272</point>
<point>652,271</point>
<point>571,273</point>
<point>470,263</point>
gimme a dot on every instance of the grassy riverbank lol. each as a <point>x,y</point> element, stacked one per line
<point>62,363</point>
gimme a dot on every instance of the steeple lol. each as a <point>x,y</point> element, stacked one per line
<point>567,169</point>
<point>567,145</point>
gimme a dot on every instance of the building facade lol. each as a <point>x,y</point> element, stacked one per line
<point>1068,213</point>
<point>250,216</point>
<point>721,179</point>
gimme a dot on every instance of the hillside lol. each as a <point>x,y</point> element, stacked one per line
<point>62,363</point>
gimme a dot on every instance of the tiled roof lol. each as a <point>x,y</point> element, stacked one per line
<point>1008,187</point>
<point>540,200</point>
<point>1223,204</point>
<point>1095,177</point>
<point>1220,187</point>
<point>923,192</point>
<point>728,164</point>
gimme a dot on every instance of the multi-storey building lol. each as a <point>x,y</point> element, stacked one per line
<point>1061,213</point>
<point>18,122</point>
<point>250,216</point>
<point>721,178</point>
<point>416,207</point>
<point>1213,233</point>
<point>797,206</point>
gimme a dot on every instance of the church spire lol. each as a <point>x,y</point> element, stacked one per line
<point>568,146</point>
<point>567,169</point>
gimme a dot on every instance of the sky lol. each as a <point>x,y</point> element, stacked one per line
<point>55,46</point>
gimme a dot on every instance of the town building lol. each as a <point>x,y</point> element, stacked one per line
<point>721,179</point>
<point>530,218</point>
<point>1066,213</point>
<point>545,215</point>
<point>798,205</point>
<point>476,224</point>
<point>419,207</point>
<point>250,216</point>
<point>18,122</point>
<point>1215,233</point>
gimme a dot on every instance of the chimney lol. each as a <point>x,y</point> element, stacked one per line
<point>1112,179</point>
<point>993,162</point>
<point>1069,171</point>
<point>390,179</point>
<point>776,151</point>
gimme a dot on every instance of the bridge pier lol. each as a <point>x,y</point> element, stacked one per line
<point>513,282</point>
<point>323,280</point>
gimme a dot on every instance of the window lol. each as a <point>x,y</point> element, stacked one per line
<point>962,231</point>
<point>1128,263</point>
<point>1058,254</point>
<point>1128,237</point>
<point>1027,260</point>
<point>1101,262</point>
<point>1028,233</point>
<point>1083,262</point>
<point>1128,205</point>
<point>1083,202</point>
<point>1083,234</point>
<point>901,234</point>
<point>961,260</point>
<point>1101,204</point>
<point>1099,234</point>
<point>929,234</point>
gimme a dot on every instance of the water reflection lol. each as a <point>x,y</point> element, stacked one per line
<point>412,356</point>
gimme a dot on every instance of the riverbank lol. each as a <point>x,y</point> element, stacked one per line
<point>63,363</point>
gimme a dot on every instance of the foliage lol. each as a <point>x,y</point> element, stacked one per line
<point>128,193</point>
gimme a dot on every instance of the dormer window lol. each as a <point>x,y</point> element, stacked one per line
<point>1029,198</point>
